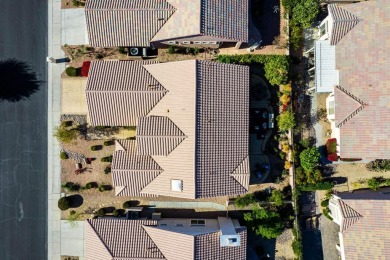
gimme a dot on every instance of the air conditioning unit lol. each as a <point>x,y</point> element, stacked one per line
<point>172,42</point>
<point>186,42</point>
<point>205,42</point>
<point>197,42</point>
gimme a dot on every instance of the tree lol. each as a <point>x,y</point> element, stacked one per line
<point>264,222</point>
<point>71,71</point>
<point>18,81</point>
<point>305,12</point>
<point>246,200</point>
<point>276,69</point>
<point>277,197</point>
<point>64,135</point>
<point>286,121</point>
<point>309,158</point>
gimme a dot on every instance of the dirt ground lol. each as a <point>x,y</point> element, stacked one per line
<point>65,4</point>
<point>321,104</point>
<point>355,174</point>
<point>283,246</point>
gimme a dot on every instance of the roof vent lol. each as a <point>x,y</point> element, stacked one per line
<point>177,185</point>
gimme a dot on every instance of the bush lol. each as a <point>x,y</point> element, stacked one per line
<point>107,170</point>
<point>122,50</point>
<point>91,185</point>
<point>96,147</point>
<point>326,213</point>
<point>130,203</point>
<point>378,165</point>
<point>325,203</point>
<point>287,165</point>
<point>375,182</point>
<point>286,121</point>
<point>333,157</point>
<point>107,159</point>
<point>309,158</point>
<point>286,89</point>
<point>64,203</point>
<point>63,135</point>
<point>265,222</point>
<point>72,212</point>
<point>85,68</point>
<point>99,56</point>
<point>71,186</point>
<point>331,146</point>
<point>285,99</point>
<point>101,213</point>
<point>244,201</point>
<point>285,147</point>
<point>71,71</point>
<point>305,12</point>
<point>66,123</point>
<point>63,155</point>
<point>317,186</point>
<point>171,49</point>
<point>277,197</point>
<point>108,143</point>
<point>102,188</point>
<point>297,247</point>
<point>116,213</point>
<point>195,51</point>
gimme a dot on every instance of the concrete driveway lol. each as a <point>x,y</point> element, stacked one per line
<point>73,99</point>
<point>74,27</point>
<point>72,238</point>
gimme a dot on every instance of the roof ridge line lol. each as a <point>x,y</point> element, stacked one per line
<point>356,111</point>
<point>100,238</point>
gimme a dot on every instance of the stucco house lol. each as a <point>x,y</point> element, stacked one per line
<point>192,119</point>
<point>154,23</point>
<point>167,238</point>
<point>363,217</point>
<point>351,63</point>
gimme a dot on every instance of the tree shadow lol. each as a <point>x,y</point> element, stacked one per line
<point>338,180</point>
<point>18,81</point>
<point>77,201</point>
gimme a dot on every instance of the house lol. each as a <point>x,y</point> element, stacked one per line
<point>352,66</point>
<point>192,118</point>
<point>167,238</point>
<point>146,23</point>
<point>363,217</point>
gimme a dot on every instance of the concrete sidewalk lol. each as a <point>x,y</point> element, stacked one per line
<point>54,102</point>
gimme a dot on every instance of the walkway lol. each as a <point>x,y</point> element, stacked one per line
<point>186,205</point>
<point>54,101</point>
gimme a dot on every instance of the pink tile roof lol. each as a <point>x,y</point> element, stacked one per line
<point>208,133</point>
<point>368,216</point>
<point>118,92</point>
<point>119,239</point>
<point>363,71</point>
<point>139,22</point>
<point>343,22</point>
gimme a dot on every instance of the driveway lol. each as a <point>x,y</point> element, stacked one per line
<point>23,131</point>
<point>74,27</point>
<point>73,99</point>
<point>73,238</point>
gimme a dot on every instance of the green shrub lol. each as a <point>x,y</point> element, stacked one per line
<point>324,203</point>
<point>277,197</point>
<point>375,182</point>
<point>64,203</point>
<point>317,186</point>
<point>71,71</point>
<point>108,143</point>
<point>305,12</point>
<point>91,185</point>
<point>265,222</point>
<point>71,186</point>
<point>171,49</point>
<point>102,188</point>
<point>101,213</point>
<point>244,201</point>
<point>107,170</point>
<point>286,121</point>
<point>309,158</point>
<point>326,212</point>
<point>115,213</point>
<point>122,50</point>
<point>378,166</point>
<point>195,51</point>
<point>63,135</point>
<point>63,155</point>
<point>130,203</point>
<point>99,56</point>
<point>66,123</point>
<point>72,212</point>
<point>107,159</point>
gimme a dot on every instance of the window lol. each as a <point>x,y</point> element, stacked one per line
<point>232,240</point>
<point>163,225</point>
<point>198,222</point>
<point>177,185</point>
<point>331,108</point>
<point>179,225</point>
<point>324,29</point>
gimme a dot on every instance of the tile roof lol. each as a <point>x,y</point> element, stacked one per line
<point>367,235</point>
<point>157,135</point>
<point>326,74</point>
<point>195,125</point>
<point>350,216</point>
<point>363,71</point>
<point>139,22</point>
<point>113,23</point>
<point>119,239</point>
<point>118,92</point>
<point>207,246</point>
<point>105,240</point>
<point>343,22</point>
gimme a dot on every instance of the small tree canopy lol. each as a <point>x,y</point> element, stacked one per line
<point>265,222</point>
<point>64,135</point>
<point>309,158</point>
<point>276,70</point>
<point>286,121</point>
<point>305,12</point>
<point>277,197</point>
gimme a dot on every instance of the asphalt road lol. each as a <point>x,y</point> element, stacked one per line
<point>23,136</point>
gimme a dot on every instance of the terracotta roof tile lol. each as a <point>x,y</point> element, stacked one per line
<point>343,22</point>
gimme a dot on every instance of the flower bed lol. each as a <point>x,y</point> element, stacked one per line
<point>331,148</point>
